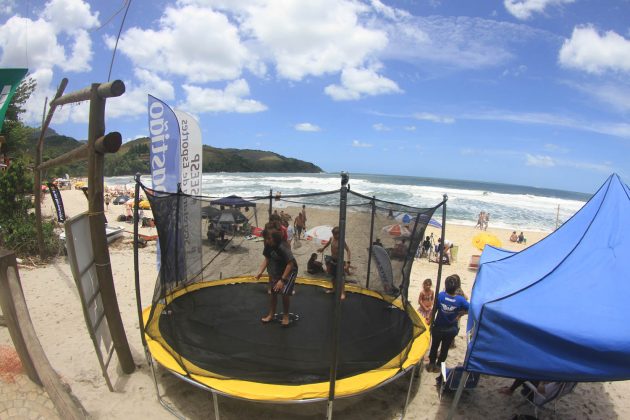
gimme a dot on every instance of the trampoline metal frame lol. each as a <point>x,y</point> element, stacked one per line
<point>215,393</point>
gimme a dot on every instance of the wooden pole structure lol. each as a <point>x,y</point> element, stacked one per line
<point>109,143</point>
<point>96,129</point>
<point>8,268</point>
<point>38,174</point>
<point>27,344</point>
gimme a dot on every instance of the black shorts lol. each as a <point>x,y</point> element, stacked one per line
<point>289,284</point>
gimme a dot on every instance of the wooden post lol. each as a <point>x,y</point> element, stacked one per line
<point>102,262</point>
<point>8,268</point>
<point>39,150</point>
<point>66,404</point>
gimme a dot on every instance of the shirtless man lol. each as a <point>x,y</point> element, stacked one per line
<point>331,260</point>
<point>298,224</point>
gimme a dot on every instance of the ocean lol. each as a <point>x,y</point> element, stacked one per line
<point>513,207</point>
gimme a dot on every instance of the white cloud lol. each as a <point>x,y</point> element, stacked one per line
<point>231,99</point>
<point>590,51</point>
<point>311,38</point>
<point>380,127</point>
<point>457,42</point>
<point>524,9</point>
<point>306,127</point>
<point>410,128</point>
<point>426,116</point>
<point>39,45</point>
<point>134,102</point>
<point>6,8</point>
<point>197,43</point>
<point>70,15</point>
<point>539,160</point>
<point>612,129</point>
<point>616,95</point>
<point>544,161</point>
<point>357,143</point>
<point>357,83</point>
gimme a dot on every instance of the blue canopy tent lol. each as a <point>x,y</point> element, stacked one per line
<point>556,311</point>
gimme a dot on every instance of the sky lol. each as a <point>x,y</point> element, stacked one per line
<point>529,92</point>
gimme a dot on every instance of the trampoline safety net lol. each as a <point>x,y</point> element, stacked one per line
<point>205,316</point>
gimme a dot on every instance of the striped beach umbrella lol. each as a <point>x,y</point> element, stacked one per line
<point>321,233</point>
<point>396,230</point>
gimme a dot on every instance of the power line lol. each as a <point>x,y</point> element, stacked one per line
<point>112,16</point>
<point>117,38</point>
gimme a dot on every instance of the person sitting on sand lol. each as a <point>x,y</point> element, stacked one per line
<point>282,268</point>
<point>313,266</point>
<point>331,260</point>
<point>521,239</point>
<point>544,390</point>
<point>513,237</point>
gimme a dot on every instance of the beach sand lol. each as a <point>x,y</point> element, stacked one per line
<point>58,319</point>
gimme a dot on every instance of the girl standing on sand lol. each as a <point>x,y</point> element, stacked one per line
<point>425,300</point>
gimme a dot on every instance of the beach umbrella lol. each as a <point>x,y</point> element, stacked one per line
<point>482,239</point>
<point>406,218</point>
<point>321,233</point>
<point>396,230</point>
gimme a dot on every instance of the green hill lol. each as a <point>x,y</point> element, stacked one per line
<point>133,157</point>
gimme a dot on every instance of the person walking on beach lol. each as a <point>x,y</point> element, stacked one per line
<point>282,268</point>
<point>298,225</point>
<point>480,220</point>
<point>486,221</point>
<point>331,260</point>
<point>304,216</point>
<point>450,307</point>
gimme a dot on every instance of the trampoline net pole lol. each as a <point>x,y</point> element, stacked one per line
<point>339,285</point>
<point>440,255</point>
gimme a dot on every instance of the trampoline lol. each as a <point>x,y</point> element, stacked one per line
<point>220,342</point>
<point>204,324</point>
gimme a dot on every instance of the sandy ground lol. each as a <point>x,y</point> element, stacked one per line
<point>57,315</point>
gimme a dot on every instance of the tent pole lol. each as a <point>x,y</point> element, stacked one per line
<point>270,202</point>
<point>369,264</point>
<point>460,388</point>
<point>441,254</point>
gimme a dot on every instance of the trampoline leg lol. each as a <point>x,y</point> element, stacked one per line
<point>330,410</point>
<point>161,400</point>
<point>215,401</point>
<point>413,373</point>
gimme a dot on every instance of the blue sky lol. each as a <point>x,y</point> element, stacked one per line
<point>532,92</point>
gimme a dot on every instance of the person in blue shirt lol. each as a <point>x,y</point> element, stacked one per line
<point>450,307</point>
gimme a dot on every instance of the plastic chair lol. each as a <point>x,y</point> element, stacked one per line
<point>449,379</point>
<point>555,391</point>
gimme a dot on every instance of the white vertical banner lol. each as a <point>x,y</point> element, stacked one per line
<point>191,157</point>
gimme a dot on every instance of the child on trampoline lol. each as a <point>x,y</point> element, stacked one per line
<point>282,268</point>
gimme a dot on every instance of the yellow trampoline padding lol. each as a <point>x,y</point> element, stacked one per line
<point>258,391</point>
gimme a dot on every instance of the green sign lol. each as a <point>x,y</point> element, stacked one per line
<point>9,81</point>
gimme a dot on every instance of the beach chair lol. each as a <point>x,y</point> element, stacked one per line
<point>548,400</point>
<point>474,262</point>
<point>449,379</point>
